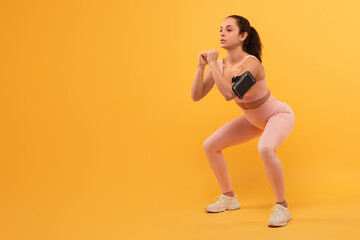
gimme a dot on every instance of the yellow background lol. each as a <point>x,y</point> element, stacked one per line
<point>100,138</point>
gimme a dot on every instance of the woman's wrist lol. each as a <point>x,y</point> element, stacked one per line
<point>212,63</point>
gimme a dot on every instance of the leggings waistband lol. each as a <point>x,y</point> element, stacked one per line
<point>255,104</point>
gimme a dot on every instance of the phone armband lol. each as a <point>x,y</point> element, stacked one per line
<point>243,83</point>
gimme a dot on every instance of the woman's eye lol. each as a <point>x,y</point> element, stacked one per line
<point>228,30</point>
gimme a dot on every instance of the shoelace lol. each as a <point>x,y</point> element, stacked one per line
<point>221,201</point>
<point>278,211</point>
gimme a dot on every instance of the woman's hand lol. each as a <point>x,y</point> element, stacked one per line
<point>212,56</point>
<point>202,58</point>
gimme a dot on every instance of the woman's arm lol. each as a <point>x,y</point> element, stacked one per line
<point>197,86</point>
<point>224,87</point>
<point>201,86</point>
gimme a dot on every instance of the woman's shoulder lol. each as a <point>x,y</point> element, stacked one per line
<point>254,64</point>
<point>254,60</point>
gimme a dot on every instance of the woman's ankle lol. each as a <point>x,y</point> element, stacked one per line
<point>229,194</point>
<point>284,203</point>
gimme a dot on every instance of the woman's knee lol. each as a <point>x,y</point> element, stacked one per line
<point>211,145</point>
<point>266,151</point>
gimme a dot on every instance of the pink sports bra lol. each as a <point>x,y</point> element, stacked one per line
<point>257,91</point>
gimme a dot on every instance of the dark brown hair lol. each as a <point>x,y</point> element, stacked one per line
<point>252,43</point>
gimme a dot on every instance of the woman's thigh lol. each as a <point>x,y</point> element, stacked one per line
<point>277,129</point>
<point>235,132</point>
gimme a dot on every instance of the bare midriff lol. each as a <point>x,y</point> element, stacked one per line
<point>254,104</point>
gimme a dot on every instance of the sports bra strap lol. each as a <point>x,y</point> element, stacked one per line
<point>249,56</point>
<point>245,58</point>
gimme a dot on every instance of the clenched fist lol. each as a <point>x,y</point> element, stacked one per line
<point>212,56</point>
<point>202,58</point>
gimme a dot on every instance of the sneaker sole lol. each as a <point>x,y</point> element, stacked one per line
<point>228,209</point>
<point>281,225</point>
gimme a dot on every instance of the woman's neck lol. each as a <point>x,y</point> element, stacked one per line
<point>235,56</point>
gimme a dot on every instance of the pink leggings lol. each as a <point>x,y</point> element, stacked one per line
<point>274,121</point>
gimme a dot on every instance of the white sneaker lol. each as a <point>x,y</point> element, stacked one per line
<point>280,216</point>
<point>224,203</point>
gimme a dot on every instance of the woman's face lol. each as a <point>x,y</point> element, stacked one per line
<point>229,34</point>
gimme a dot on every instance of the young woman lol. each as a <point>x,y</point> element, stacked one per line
<point>264,115</point>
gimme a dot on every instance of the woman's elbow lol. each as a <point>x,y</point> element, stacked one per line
<point>195,98</point>
<point>230,97</point>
